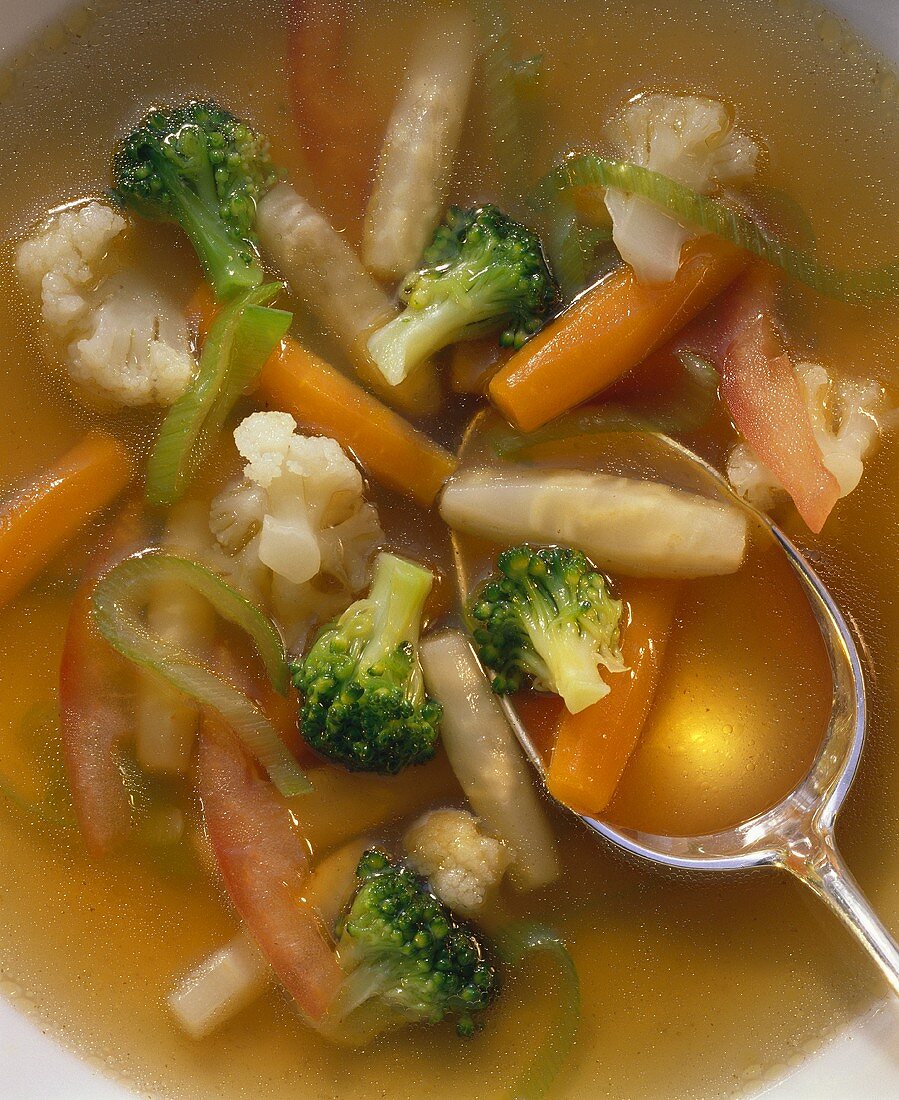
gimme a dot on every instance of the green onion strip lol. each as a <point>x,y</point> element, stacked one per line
<point>241,338</point>
<point>524,939</point>
<point>117,602</point>
<point>711,215</point>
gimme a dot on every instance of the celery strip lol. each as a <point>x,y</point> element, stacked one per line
<point>711,215</point>
<point>516,942</point>
<point>117,602</point>
<point>241,338</point>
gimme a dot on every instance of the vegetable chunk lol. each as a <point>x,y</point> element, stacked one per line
<point>607,332</point>
<point>764,396</point>
<point>845,415</point>
<point>547,617</point>
<point>37,522</point>
<point>624,525</point>
<point>200,167</point>
<point>365,704</point>
<point>487,759</point>
<point>123,336</point>
<point>408,960</point>
<point>483,272</point>
<point>689,139</point>
<point>296,533</point>
<point>94,717</point>
<point>462,863</point>
<point>420,145</point>
<point>264,864</point>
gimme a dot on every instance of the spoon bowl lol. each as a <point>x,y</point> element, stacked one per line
<point>797,834</point>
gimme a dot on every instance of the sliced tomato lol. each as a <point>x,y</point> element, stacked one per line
<point>339,126</point>
<point>93,686</point>
<point>761,389</point>
<point>263,864</point>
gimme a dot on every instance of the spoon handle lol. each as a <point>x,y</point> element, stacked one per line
<point>822,869</point>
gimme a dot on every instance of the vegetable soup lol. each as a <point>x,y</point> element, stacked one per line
<point>344,347</point>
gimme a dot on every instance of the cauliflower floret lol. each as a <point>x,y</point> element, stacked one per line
<point>462,864</point>
<point>691,140</point>
<point>296,533</point>
<point>845,416</point>
<point>125,340</point>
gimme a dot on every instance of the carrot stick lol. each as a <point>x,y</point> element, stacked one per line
<point>593,747</point>
<point>297,381</point>
<point>37,522</point>
<point>606,332</point>
<point>388,447</point>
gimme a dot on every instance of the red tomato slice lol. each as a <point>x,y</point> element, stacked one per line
<point>264,863</point>
<point>339,126</point>
<point>93,685</point>
<point>763,393</point>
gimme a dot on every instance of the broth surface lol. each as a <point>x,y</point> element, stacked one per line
<point>693,987</point>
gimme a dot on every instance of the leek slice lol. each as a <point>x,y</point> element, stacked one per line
<point>117,603</point>
<point>514,944</point>
<point>711,215</point>
<point>241,338</point>
<point>578,253</point>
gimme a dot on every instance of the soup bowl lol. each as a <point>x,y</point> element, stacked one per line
<point>862,1061</point>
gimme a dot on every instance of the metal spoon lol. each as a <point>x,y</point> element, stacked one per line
<point>798,834</point>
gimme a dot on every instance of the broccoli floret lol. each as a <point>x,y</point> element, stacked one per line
<point>481,272</point>
<point>407,959</point>
<point>548,617</point>
<point>364,701</point>
<point>202,168</point>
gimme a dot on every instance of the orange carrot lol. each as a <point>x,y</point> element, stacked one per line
<point>318,396</point>
<point>606,332</point>
<point>38,521</point>
<point>593,747</point>
<point>387,446</point>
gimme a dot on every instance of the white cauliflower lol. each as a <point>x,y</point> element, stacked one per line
<point>295,533</point>
<point>124,339</point>
<point>463,864</point>
<point>845,416</point>
<point>691,140</point>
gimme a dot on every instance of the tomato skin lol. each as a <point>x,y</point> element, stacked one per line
<point>339,127</point>
<point>94,684</point>
<point>764,396</point>
<point>264,862</point>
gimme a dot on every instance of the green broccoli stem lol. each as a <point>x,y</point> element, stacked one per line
<point>398,593</point>
<point>569,656</point>
<point>227,262</point>
<point>571,660</point>
<point>415,335</point>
